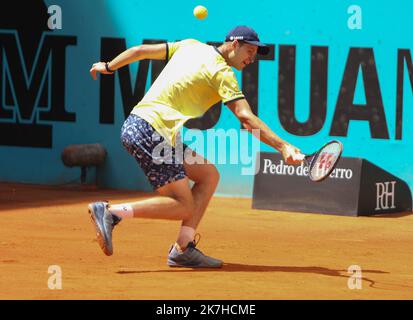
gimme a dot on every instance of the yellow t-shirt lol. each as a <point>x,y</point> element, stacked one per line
<point>195,78</point>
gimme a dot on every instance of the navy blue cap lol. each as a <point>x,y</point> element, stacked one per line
<point>248,35</point>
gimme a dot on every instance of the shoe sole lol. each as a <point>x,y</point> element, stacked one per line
<point>175,265</point>
<point>99,235</point>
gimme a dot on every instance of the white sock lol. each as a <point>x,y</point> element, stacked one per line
<point>121,210</point>
<point>186,234</point>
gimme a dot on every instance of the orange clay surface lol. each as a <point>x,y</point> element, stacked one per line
<point>267,254</point>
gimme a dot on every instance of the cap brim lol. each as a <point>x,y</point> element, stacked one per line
<point>262,48</point>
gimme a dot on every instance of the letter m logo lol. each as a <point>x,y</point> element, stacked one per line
<point>32,93</point>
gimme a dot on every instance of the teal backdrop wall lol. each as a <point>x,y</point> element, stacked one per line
<point>350,84</point>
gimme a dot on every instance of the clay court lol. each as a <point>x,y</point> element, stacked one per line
<point>267,254</point>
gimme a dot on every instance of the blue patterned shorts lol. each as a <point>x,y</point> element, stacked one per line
<point>160,162</point>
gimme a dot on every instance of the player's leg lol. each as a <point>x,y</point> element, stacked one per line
<point>206,177</point>
<point>184,252</point>
<point>165,173</point>
<point>175,202</point>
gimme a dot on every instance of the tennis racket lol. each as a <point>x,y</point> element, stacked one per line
<point>321,163</point>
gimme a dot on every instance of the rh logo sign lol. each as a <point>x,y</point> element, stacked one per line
<point>385,195</point>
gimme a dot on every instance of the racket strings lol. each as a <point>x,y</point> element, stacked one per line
<point>324,161</point>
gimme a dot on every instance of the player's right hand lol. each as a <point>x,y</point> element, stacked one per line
<point>291,154</point>
<point>98,67</point>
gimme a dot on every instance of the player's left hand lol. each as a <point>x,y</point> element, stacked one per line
<point>98,67</point>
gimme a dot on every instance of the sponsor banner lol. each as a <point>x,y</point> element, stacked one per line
<point>282,169</point>
<point>355,187</point>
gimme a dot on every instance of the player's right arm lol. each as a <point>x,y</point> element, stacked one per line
<point>141,52</point>
<point>251,122</point>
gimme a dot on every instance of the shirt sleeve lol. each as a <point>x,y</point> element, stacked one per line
<point>171,48</point>
<point>226,84</point>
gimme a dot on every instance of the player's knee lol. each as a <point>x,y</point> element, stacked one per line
<point>216,175</point>
<point>213,175</point>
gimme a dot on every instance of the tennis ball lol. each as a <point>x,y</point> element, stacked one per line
<point>200,12</point>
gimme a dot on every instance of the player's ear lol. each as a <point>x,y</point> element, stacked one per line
<point>234,44</point>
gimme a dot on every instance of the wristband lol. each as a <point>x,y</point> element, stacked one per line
<point>107,68</point>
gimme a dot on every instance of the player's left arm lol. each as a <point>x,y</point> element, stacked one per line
<point>251,122</point>
<point>141,52</point>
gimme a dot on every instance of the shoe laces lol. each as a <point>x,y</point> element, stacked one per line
<point>195,242</point>
<point>197,238</point>
<point>115,219</point>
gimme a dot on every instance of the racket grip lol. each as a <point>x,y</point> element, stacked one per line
<point>307,159</point>
<point>299,156</point>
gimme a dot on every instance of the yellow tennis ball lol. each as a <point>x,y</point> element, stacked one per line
<point>200,12</point>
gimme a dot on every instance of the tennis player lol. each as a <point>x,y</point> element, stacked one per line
<point>196,77</point>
